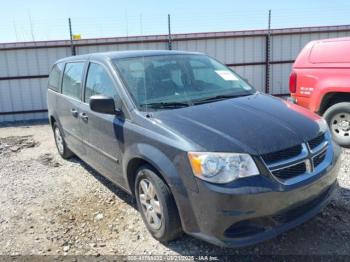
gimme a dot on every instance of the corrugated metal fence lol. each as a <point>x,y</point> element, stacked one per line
<point>24,67</point>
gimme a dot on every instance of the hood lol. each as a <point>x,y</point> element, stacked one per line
<point>256,124</point>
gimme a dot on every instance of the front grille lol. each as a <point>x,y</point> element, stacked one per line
<point>315,142</point>
<point>282,154</point>
<point>319,158</point>
<point>297,160</point>
<point>290,172</point>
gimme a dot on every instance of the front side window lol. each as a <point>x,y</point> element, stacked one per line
<point>55,77</point>
<point>179,80</point>
<point>72,78</point>
<point>98,82</point>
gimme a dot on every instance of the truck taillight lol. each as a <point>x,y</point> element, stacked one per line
<point>293,82</point>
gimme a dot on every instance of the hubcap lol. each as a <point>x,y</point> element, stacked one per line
<point>59,140</point>
<point>340,125</point>
<point>151,207</point>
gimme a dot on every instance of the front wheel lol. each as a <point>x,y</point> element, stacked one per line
<point>156,205</point>
<point>338,119</point>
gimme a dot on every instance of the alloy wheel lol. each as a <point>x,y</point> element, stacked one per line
<point>150,203</point>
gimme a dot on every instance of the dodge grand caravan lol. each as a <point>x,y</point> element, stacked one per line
<point>201,150</point>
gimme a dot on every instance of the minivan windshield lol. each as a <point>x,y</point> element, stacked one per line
<point>172,81</point>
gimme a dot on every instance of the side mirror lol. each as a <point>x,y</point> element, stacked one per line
<point>103,104</point>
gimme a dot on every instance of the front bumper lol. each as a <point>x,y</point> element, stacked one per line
<point>254,210</point>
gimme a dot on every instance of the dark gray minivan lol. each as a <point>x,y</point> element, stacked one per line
<point>201,150</point>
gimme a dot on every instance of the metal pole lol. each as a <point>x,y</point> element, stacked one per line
<point>268,55</point>
<point>71,37</point>
<point>169,33</point>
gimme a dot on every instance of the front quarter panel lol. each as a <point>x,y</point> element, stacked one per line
<point>166,152</point>
<point>169,156</point>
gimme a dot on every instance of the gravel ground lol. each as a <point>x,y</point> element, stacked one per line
<point>53,206</point>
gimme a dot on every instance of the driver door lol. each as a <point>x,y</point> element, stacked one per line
<point>101,132</point>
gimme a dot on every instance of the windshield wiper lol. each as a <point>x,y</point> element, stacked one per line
<point>165,105</point>
<point>218,98</point>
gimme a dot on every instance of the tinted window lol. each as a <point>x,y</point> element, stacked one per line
<point>98,82</point>
<point>55,77</point>
<point>72,77</point>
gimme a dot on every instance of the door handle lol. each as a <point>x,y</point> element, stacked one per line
<point>74,112</point>
<point>84,116</point>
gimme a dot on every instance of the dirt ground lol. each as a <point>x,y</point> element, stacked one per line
<point>53,206</point>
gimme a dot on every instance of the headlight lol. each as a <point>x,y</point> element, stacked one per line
<point>222,167</point>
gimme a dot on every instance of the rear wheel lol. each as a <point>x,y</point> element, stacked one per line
<point>338,119</point>
<point>61,145</point>
<point>156,205</point>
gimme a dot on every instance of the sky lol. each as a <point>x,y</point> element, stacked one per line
<point>28,20</point>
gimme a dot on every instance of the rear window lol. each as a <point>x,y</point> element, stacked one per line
<point>72,78</point>
<point>55,77</point>
<point>331,52</point>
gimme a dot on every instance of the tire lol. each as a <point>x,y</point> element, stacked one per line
<point>170,226</point>
<point>338,119</point>
<point>61,145</point>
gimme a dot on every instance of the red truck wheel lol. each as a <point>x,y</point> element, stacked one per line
<point>338,119</point>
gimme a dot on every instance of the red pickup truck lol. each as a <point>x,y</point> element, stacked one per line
<point>320,81</point>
